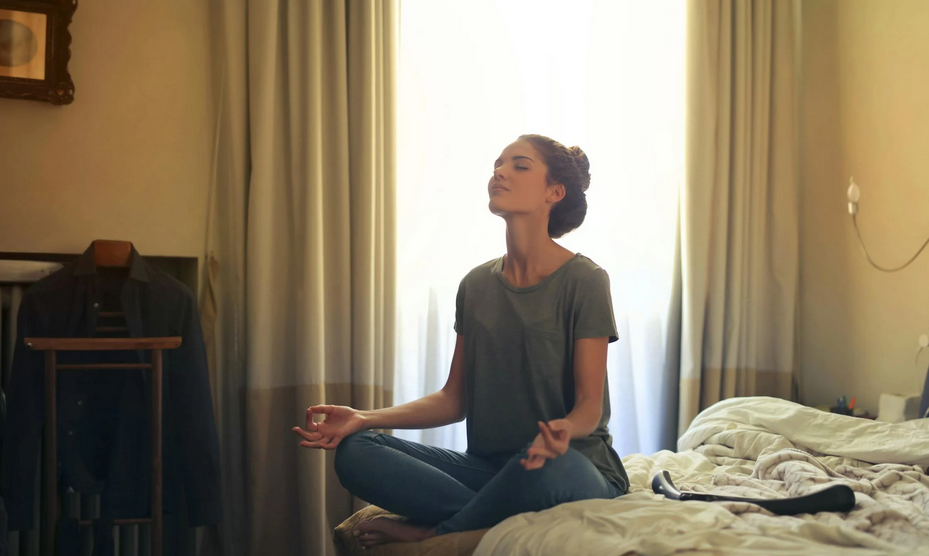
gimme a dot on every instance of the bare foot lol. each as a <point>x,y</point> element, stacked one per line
<point>385,530</point>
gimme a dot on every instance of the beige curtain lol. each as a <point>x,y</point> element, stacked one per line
<point>299,299</point>
<point>739,204</point>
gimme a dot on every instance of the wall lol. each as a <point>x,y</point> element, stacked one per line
<point>130,158</point>
<point>864,113</point>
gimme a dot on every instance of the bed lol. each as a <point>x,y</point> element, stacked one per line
<point>750,447</point>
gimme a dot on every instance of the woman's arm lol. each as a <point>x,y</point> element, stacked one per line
<point>435,410</point>
<point>589,379</point>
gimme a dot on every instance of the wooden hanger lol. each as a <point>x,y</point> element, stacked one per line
<point>111,253</point>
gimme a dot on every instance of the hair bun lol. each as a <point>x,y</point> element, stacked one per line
<point>582,164</point>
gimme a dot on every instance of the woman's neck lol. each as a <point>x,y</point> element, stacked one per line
<point>531,254</point>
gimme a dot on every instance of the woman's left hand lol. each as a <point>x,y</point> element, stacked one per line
<point>552,441</point>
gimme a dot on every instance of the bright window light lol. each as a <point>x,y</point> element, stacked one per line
<point>607,75</point>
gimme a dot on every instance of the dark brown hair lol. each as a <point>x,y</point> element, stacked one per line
<point>570,167</point>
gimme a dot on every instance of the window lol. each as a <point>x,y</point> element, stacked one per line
<point>603,74</point>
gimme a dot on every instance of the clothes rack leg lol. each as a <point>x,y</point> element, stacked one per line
<point>156,453</point>
<point>50,474</point>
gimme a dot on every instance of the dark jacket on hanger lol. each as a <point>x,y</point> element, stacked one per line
<point>103,416</point>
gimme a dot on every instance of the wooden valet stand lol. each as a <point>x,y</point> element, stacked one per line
<point>50,483</point>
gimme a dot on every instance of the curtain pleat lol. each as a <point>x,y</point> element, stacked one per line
<point>739,204</point>
<point>300,254</point>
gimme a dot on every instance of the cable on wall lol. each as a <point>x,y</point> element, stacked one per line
<point>854,193</point>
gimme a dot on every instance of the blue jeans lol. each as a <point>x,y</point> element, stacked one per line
<point>458,491</point>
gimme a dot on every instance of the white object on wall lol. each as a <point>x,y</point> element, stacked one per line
<point>854,193</point>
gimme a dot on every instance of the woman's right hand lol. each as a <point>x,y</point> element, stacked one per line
<point>341,421</point>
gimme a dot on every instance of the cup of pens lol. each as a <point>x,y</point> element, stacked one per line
<point>843,407</point>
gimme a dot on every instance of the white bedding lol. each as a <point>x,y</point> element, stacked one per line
<point>751,447</point>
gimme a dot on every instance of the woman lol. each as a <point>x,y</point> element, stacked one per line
<point>528,373</point>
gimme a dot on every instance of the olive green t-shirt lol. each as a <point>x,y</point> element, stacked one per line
<point>519,356</point>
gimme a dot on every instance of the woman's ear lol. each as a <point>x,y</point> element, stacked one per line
<point>556,192</point>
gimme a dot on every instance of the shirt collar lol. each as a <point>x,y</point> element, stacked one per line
<point>138,268</point>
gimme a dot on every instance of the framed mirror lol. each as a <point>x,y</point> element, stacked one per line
<point>35,47</point>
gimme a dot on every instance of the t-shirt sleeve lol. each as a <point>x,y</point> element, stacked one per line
<point>593,308</point>
<point>459,308</point>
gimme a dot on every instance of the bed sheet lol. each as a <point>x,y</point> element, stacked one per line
<point>750,447</point>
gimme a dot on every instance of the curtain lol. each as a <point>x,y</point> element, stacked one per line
<point>739,205</point>
<point>605,75</point>
<point>298,304</point>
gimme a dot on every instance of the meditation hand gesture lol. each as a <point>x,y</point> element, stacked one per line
<point>551,442</point>
<point>341,421</point>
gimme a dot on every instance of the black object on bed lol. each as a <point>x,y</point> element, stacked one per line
<point>837,498</point>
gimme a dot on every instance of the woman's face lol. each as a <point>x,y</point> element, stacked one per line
<point>519,185</point>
